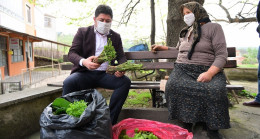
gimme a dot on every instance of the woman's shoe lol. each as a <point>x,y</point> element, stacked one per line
<point>214,134</point>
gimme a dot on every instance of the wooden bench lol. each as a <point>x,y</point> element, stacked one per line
<point>154,86</point>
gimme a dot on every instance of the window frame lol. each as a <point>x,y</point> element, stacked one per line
<point>28,13</point>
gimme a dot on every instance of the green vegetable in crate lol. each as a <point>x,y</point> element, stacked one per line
<point>76,108</point>
<point>139,134</point>
<point>127,66</point>
<point>107,54</point>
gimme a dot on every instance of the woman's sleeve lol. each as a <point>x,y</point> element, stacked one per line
<point>177,46</point>
<point>219,46</point>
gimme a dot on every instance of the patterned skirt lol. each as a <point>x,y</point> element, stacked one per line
<point>190,101</point>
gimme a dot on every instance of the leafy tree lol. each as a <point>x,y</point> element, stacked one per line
<point>250,57</point>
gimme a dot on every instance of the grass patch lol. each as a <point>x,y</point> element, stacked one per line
<point>247,94</point>
<point>138,99</point>
<point>248,66</point>
<point>44,69</point>
<point>244,94</point>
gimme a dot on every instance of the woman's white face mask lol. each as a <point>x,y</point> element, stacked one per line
<point>103,27</point>
<point>189,19</point>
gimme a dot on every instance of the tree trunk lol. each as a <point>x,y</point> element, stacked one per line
<point>175,20</point>
<point>153,23</point>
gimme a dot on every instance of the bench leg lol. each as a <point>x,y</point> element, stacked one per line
<point>233,92</point>
<point>234,95</point>
<point>154,97</point>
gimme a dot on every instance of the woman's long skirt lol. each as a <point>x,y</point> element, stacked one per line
<point>190,101</point>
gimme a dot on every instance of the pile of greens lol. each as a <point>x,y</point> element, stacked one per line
<point>139,134</point>
<point>62,106</point>
<point>107,54</point>
<point>127,66</point>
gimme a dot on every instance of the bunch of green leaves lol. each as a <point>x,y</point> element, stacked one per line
<point>76,108</point>
<point>108,54</point>
<point>62,106</point>
<point>139,134</point>
<point>127,66</point>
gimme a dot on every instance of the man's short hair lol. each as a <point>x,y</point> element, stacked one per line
<point>103,9</point>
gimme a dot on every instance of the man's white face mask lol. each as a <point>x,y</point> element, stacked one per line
<point>103,27</point>
<point>189,19</point>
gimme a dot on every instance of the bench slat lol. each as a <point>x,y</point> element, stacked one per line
<point>157,65</point>
<point>231,64</point>
<point>172,54</point>
<point>141,55</point>
<point>160,65</point>
<point>231,51</point>
<point>150,85</point>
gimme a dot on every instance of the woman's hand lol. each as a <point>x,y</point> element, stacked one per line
<point>204,77</point>
<point>119,73</point>
<point>89,64</point>
<point>207,76</point>
<point>155,47</point>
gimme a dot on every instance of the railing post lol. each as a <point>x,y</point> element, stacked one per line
<point>1,92</point>
<point>2,88</point>
<point>22,78</point>
<point>20,86</point>
<point>52,60</point>
<point>59,68</point>
<point>30,76</point>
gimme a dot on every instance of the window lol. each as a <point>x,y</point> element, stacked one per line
<point>3,50</point>
<point>28,13</point>
<point>47,22</point>
<point>17,55</point>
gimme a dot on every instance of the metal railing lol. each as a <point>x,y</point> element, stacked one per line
<point>9,87</point>
<point>30,76</point>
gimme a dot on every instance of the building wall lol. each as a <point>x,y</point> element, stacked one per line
<point>11,15</point>
<point>29,27</point>
<point>15,67</point>
<point>2,72</point>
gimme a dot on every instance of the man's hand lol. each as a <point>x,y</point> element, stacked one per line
<point>89,64</point>
<point>204,77</point>
<point>119,73</point>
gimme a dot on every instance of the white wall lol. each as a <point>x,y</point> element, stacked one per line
<point>41,31</point>
<point>11,15</point>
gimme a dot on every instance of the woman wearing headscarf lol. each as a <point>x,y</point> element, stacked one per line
<point>196,89</point>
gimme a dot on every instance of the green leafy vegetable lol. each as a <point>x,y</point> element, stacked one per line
<point>76,108</point>
<point>127,66</point>
<point>139,134</point>
<point>60,106</point>
<point>107,54</point>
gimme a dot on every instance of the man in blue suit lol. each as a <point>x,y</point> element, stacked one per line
<point>256,102</point>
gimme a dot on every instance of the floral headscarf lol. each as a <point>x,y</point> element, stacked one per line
<point>201,15</point>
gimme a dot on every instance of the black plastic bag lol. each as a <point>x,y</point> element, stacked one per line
<point>94,123</point>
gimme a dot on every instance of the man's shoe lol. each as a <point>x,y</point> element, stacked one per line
<point>214,134</point>
<point>252,104</point>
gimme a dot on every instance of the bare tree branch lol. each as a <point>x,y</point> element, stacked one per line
<point>128,12</point>
<point>239,17</point>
